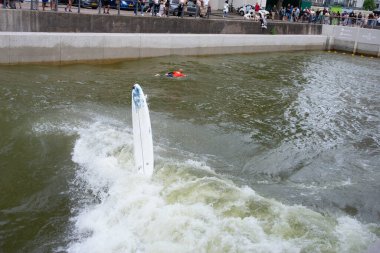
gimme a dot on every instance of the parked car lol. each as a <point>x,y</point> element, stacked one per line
<point>124,4</point>
<point>251,10</point>
<point>93,4</point>
<point>190,8</point>
<point>248,7</point>
<point>83,3</point>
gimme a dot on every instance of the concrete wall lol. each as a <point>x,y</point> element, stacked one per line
<point>70,47</point>
<point>353,39</point>
<point>33,21</point>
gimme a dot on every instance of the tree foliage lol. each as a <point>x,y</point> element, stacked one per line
<point>369,5</point>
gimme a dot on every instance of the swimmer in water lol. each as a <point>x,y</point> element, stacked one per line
<point>177,73</point>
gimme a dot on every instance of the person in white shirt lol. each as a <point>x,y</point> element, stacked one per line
<point>225,9</point>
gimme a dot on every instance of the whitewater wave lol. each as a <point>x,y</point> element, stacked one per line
<point>186,206</point>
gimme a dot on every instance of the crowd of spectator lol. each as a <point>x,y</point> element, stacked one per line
<point>325,16</point>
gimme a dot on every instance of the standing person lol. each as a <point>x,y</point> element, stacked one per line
<point>281,14</point>
<point>274,12</point>
<point>135,6</point>
<point>360,20</point>
<point>208,10</point>
<point>156,7</point>
<point>225,9</point>
<point>288,12</point>
<point>167,7</point>
<point>257,8</point>
<point>197,8</point>
<point>370,19</point>
<point>161,11</point>
<point>296,14</point>
<point>44,3</point>
<point>106,6</point>
<point>180,8</point>
<point>338,18</point>
<point>68,6</point>
<point>150,8</point>
<point>202,9</point>
<point>142,6</point>
<point>53,4</point>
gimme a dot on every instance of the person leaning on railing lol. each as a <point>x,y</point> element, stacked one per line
<point>371,18</point>
<point>359,19</point>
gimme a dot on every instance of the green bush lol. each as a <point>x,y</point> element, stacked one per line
<point>369,5</point>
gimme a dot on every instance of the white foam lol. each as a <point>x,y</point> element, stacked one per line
<point>352,235</point>
<point>187,207</point>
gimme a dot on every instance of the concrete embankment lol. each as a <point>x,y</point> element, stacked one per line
<point>35,37</point>
<point>70,47</point>
<point>38,21</point>
<point>355,40</point>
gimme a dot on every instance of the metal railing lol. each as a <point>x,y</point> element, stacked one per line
<point>333,20</point>
<point>346,21</point>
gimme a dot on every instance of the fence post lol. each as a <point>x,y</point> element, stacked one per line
<point>79,2</point>
<point>100,6</point>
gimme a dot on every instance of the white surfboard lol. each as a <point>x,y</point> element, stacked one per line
<point>142,132</point>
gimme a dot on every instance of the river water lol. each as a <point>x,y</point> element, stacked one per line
<point>271,152</point>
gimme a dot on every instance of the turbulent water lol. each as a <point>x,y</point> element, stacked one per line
<point>253,153</point>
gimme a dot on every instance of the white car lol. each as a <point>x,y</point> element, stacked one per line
<point>241,11</point>
<point>251,10</point>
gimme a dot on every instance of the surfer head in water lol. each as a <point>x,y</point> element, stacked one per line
<point>177,73</point>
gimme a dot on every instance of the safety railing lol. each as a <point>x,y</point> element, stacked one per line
<point>333,20</point>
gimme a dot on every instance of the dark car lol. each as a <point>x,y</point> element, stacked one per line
<point>190,8</point>
<point>93,4</point>
<point>83,3</point>
<point>124,4</point>
<point>173,8</point>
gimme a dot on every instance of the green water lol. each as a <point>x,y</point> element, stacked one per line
<point>254,153</point>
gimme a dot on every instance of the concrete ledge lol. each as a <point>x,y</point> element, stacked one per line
<point>68,47</point>
<point>39,21</point>
<point>353,39</point>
